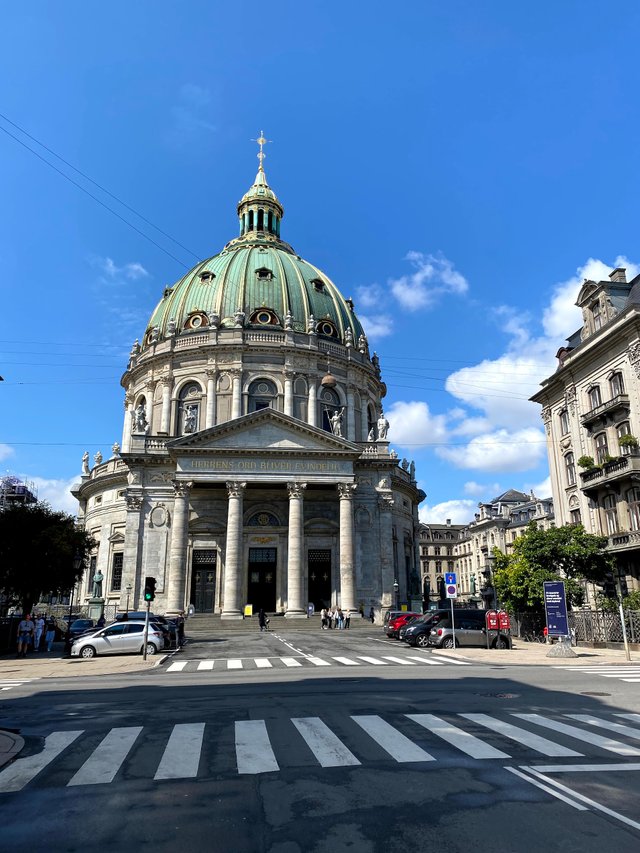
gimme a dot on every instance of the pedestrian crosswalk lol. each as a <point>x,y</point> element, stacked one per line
<point>249,747</point>
<point>10,683</point>
<point>621,672</point>
<point>222,664</point>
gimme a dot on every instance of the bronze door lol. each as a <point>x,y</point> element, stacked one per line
<point>319,562</point>
<point>203,581</point>
<point>261,589</point>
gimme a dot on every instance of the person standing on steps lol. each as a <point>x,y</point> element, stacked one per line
<point>372,616</point>
<point>262,620</point>
<point>347,619</point>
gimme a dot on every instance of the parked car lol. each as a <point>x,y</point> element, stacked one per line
<point>77,628</point>
<point>393,625</point>
<point>470,630</point>
<point>391,614</point>
<point>119,638</point>
<point>417,633</point>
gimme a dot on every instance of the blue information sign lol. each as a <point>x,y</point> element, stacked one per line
<point>450,578</point>
<point>555,605</point>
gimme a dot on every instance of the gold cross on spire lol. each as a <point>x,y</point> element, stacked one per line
<point>261,142</point>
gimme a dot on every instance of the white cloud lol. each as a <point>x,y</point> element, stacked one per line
<point>56,493</point>
<point>458,512</point>
<point>471,426</point>
<point>369,297</point>
<point>540,490</point>
<point>433,276</point>
<point>487,490</point>
<point>498,451</point>
<point>131,271</point>
<point>6,451</point>
<point>413,424</point>
<point>376,325</point>
<point>190,116</point>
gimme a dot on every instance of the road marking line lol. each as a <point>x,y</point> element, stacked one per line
<point>635,718</point>
<point>580,734</point>
<point>205,664</point>
<point>548,789</point>
<point>326,747</point>
<point>426,660</point>
<point>234,664</point>
<point>632,680</point>
<point>397,745</point>
<point>317,661</point>
<point>347,661</point>
<point>24,770</point>
<point>585,768</point>
<point>462,740</point>
<point>373,661</point>
<point>622,818</point>
<point>290,662</point>
<point>106,759</point>
<point>627,731</point>
<point>181,757</point>
<point>399,660</point>
<point>612,675</point>
<point>253,748</point>
<point>453,660</point>
<point>178,666</point>
<point>263,663</point>
<point>533,741</point>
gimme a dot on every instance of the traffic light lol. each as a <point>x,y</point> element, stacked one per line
<point>609,586</point>
<point>149,589</point>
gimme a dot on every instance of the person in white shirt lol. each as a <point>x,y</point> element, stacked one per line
<point>39,628</point>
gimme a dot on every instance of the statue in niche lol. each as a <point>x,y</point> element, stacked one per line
<point>348,338</point>
<point>97,584</point>
<point>190,413</point>
<point>238,318</point>
<point>98,458</point>
<point>85,462</point>
<point>372,435</point>
<point>214,319</point>
<point>383,427</point>
<point>140,418</point>
<point>336,422</point>
<point>288,321</point>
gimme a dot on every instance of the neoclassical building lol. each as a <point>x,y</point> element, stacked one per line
<point>255,466</point>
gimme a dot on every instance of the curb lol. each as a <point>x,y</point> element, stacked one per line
<point>11,745</point>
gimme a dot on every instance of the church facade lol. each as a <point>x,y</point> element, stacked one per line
<point>255,466</point>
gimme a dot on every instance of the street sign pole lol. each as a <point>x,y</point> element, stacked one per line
<point>625,639</point>
<point>451,586</point>
<point>453,625</point>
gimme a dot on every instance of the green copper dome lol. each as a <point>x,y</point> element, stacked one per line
<point>256,281</point>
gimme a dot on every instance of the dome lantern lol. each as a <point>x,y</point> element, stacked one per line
<point>259,210</point>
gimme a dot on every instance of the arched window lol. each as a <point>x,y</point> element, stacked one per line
<point>261,220</point>
<point>595,399</point>
<point>251,220</point>
<point>189,408</point>
<point>262,395</point>
<point>371,420</point>
<point>616,384</point>
<point>602,448</point>
<point>329,403</point>
<point>633,503</point>
<point>622,430</point>
<point>570,469</point>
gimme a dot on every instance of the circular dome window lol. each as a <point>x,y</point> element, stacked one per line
<point>264,317</point>
<point>326,328</point>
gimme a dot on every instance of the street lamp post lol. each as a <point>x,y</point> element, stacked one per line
<point>396,588</point>
<point>128,588</point>
<point>77,562</point>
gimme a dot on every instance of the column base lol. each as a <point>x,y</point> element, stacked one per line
<point>231,614</point>
<point>295,614</point>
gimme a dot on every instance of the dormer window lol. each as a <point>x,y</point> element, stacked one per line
<point>326,328</point>
<point>206,277</point>
<point>196,321</point>
<point>263,274</point>
<point>318,284</point>
<point>264,317</point>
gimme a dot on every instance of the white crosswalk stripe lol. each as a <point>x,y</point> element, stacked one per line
<point>254,752</point>
<point>10,683</point>
<point>290,662</point>
<point>402,661</point>
<point>318,661</point>
<point>302,660</point>
<point>622,672</point>
<point>178,666</point>
<point>373,661</point>
<point>263,663</point>
<point>205,665</point>
<point>347,661</point>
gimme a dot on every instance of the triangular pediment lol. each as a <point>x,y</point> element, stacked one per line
<point>264,430</point>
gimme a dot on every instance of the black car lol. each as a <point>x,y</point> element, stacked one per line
<point>417,633</point>
<point>77,628</point>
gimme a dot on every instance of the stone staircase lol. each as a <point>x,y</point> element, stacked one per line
<point>203,625</point>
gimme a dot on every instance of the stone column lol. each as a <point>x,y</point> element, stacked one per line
<point>128,423</point>
<point>210,419</point>
<point>296,607</point>
<point>165,416</point>
<point>288,392</point>
<point>351,415</point>
<point>236,394</point>
<point>130,569</point>
<point>385,507</point>
<point>231,607</point>
<point>347,568</point>
<point>178,550</point>
<point>364,420</point>
<point>311,414</point>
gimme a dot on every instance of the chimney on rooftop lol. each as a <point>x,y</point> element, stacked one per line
<point>448,522</point>
<point>619,274</point>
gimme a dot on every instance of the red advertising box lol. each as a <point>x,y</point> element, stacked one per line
<point>493,621</point>
<point>503,618</point>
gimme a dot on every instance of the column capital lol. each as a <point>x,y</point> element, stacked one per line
<point>235,490</point>
<point>164,381</point>
<point>296,490</point>
<point>211,372</point>
<point>182,488</point>
<point>346,490</point>
<point>128,400</point>
<point>133,501</point>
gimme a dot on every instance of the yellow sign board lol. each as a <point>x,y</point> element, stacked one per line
<point>248,610</point>
<point>404,608</point>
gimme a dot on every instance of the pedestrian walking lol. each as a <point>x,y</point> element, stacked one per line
<point>25,635</point>
<point>323,619</point>
<point>50,632</point>
<point>262,620</point>
<point>372,616</point>
<point>339,620</point>
<point>38,627</point>
<point>347,619</point>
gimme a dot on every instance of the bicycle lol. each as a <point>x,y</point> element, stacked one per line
<point>533,638</point>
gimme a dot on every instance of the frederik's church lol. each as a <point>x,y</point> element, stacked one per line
<point>255,465</point>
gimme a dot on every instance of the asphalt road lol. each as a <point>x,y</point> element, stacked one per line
<point>362,756</point>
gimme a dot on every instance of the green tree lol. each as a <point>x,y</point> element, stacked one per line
<point>568,553</point>
<point>37,550</point>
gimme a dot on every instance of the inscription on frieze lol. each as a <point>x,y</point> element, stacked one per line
<point>266,466</point>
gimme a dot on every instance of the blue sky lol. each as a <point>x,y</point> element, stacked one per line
<point>457,168</point>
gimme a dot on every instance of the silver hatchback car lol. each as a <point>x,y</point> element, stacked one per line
<point>119,638</point>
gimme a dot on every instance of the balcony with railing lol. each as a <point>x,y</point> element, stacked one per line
<point>618,403</point>
<point>617,469</point>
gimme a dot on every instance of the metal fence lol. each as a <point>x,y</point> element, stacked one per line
<point>587,626</point>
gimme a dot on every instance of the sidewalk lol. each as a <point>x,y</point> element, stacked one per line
<point>10,745</point>
<point>535,654</point>
<point>53,665</point>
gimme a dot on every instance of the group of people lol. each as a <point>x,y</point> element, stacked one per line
<point>37,633</point>
<point>334,617</point>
